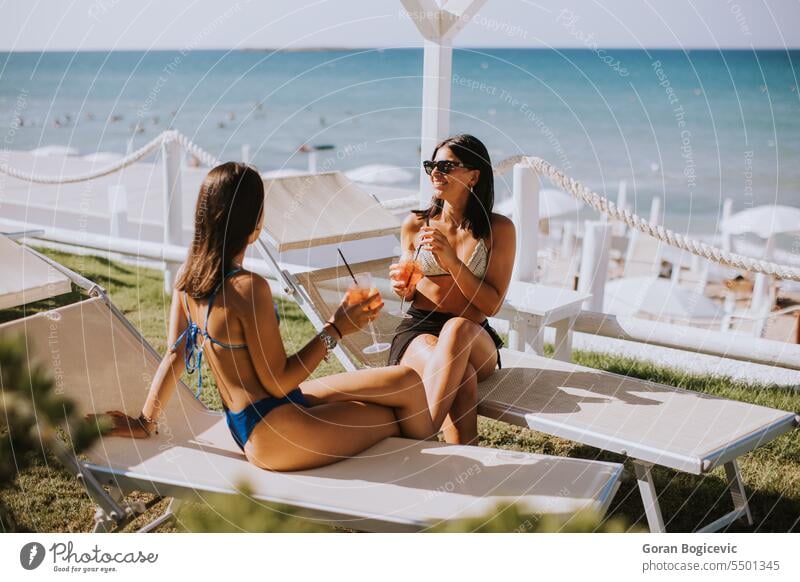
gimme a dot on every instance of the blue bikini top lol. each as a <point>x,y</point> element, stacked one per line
<point>193,356</point>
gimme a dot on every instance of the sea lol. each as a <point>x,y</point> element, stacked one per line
<point>692,127</point>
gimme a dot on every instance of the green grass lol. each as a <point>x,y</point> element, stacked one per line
<point>45,498</point>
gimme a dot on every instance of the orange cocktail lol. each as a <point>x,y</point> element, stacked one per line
<point>358,294</point>
<point>361,290</point>
<point>409,271</point>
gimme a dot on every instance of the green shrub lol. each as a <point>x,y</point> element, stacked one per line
<point>243,513</point>
<point>511,519</point>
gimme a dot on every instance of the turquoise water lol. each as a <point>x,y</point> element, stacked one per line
<point>693,128</point>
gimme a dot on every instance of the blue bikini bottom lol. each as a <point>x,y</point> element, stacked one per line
<point>243,422</point>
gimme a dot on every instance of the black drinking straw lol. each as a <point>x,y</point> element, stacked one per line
<point>349,270</point>
<point>416,254</point>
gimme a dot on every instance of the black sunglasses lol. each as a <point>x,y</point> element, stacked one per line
<point>444,166</point>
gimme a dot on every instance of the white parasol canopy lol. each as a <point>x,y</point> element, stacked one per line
<point>764,221</point>
<point>380,174</point>
<point>657,296</point>
<point>54,150</point>
<point>552,203</point>
<point>102,157</point>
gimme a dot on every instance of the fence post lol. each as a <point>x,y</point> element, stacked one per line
<point>568,238</point>
<point>594,262</point>
<point>655,210</point>
<point>118,210</point>
<point>526,223</point>
<point>760,302</point>
<point>118,214</point>
<point>172,204</point>
<point>246,153</point>
<point>620,228</point>
<point>727,210</point>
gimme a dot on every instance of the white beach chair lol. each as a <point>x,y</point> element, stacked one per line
<point>559,271</point>
<point>100,361</point>
<point>690,271</point>
<point>651,423</point>
<point>26,278</point>
<point>643,256</point>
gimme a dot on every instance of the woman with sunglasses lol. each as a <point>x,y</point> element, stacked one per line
<point>224,314</point>
<point>466,253</point>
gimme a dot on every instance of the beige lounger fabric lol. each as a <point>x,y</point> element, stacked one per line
<point>296,220</point>
<point>102,364</point>
<point>652,422</point>
<point>26,278</point>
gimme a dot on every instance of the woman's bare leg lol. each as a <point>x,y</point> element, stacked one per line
<point>461,424</point>
<point>398,387</point>
<point>292,438</point>
<point>443,363</point>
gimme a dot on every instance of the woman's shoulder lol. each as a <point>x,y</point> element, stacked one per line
<point>413,222</point>
<point>501,229</point>
<point>501,225</point>
<point>249,285</point>
<point>502,221</point>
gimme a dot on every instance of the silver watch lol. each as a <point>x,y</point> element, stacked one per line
<point>329,341</point>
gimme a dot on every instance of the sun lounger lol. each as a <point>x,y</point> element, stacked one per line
<point>27,279</point>
<point>643,256</point>
<point>98,359</point>
<point>653,424</point>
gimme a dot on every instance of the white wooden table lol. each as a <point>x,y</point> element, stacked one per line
<point>530,307</point>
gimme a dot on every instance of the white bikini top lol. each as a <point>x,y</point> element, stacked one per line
<point>477,263</point>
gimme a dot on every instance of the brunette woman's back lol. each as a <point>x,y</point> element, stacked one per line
<point>224,316</point>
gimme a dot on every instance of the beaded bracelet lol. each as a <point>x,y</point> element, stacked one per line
<point>144,422</point>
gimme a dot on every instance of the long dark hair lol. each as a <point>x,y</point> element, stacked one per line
<point>228,209</point>
<point>471,152</point>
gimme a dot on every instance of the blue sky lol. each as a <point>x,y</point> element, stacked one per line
<point>170,24</point>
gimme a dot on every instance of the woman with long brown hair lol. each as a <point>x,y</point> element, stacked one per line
<point>466,255</point>
<point>224,314</point>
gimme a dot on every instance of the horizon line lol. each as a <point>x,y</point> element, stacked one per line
<point>379,48</point>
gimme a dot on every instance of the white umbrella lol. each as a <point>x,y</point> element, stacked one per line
<point>54,150</point>
<point>101,157</point>
<point>380,174</point>
<point>657,296</point>
<point>552,203</point>
<point>764,221</point>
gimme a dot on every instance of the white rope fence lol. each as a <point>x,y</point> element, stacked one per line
<point>188,145</point>
<point>672,238</point>
<point>136,156</point>
<point>543,168</point>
